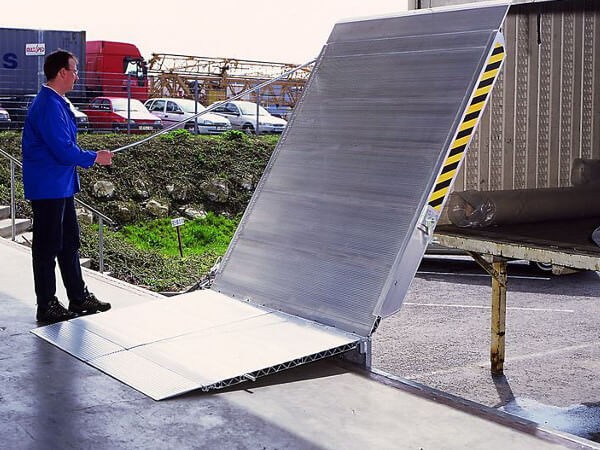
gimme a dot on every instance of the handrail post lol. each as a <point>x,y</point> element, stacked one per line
<point>101,245</point>
<point>13,203</point>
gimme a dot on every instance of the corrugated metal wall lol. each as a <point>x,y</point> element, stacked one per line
<point>545,107</point>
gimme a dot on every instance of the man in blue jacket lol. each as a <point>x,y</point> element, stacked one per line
<point>50,159</point>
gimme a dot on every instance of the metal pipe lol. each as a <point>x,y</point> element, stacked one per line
<point>257,112</point>
<point>13,203</point>
<point>128,104</point>
<point>210,108</point>
<point>196,106</point>
<point>100,245</point>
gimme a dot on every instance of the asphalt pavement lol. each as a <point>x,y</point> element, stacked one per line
<point>441,338</point>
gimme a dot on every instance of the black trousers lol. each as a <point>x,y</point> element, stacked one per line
<point>56,236</point>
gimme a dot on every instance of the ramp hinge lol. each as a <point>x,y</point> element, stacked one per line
<point>428,221</point>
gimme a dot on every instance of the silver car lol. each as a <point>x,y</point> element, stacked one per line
<point>176,110</point>
<point>5,122</point>
<point>242,116</point>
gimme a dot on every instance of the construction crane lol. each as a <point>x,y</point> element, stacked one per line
<point>214,79</point>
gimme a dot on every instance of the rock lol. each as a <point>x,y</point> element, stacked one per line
<point>178,192</point>
<point>216,190</point>
<point>157,209</point>
<point>103,189</point>
<point>247,184</point>
<point>84,216</point>
<point>124,213</point>
<point>192,213</point>
<point>140,190</point>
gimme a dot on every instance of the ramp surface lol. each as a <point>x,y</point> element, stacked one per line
<point>201,340</point>
<point>339,222</point>
<point>327,234</point>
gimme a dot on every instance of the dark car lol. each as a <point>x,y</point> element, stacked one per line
<point>18,106</point>
<point>5,122</point>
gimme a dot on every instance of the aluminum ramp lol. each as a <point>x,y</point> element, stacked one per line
<point>339,221</point>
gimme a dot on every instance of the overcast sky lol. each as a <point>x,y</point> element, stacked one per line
<point>279,31</point>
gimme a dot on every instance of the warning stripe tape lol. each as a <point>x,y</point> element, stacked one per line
<point>467,127</point>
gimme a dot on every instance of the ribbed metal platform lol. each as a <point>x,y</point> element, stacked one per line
<point>201,340</point>
<point>340,220</point>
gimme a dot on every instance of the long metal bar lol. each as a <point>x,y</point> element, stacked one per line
<point>212,107</point>
<point>13,204</point>
<point>101,245</point>
<point>498,316</point>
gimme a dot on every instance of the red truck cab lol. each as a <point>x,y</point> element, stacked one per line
<point>114,68</point>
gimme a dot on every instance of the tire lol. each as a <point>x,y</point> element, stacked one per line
<point>248,128</point>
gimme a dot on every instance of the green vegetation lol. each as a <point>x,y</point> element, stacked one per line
<point>180,171</point>
<point>210,234</point>
<point>147,268</point>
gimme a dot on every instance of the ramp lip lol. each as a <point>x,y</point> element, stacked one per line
<point>434,10</point>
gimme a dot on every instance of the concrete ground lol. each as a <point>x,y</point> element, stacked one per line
<point>50,400</point>
<point>441,338</point>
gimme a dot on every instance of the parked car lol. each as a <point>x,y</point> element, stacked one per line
<point>81,118</point>
<point>17,107</point>
<point>5,122</point>
<point>282,111</point>
<point>242,116</point>
<point>176,110</point>
<point>110,114</point>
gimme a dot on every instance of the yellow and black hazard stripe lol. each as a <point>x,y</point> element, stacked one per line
<point>467,127</point>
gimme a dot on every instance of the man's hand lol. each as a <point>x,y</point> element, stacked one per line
<point>104,157</point>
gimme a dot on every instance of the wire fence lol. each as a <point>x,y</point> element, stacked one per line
<point>117,102</point>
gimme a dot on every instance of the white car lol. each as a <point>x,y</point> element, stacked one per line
<point>176,110</point>
<point>242,116</point>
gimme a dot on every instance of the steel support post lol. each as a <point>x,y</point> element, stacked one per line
<point>13,202</point>
<point>101,244</point>
<point>498,316</point>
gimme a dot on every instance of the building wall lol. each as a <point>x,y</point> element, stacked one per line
<point>545,108</point>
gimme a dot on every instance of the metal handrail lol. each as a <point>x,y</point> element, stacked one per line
<point>215,105</point>
<point>101,217</point>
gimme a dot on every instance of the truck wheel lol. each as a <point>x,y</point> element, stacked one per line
<point>248,128</point>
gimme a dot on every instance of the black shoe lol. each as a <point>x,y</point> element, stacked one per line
<point>54,312</point>
<point>89,305</point>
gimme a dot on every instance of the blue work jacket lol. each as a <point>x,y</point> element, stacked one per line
<point>50,151</point>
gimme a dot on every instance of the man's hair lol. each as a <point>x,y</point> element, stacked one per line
<point>55,61</point>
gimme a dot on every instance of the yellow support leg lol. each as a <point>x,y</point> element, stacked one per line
<point>498,316</point>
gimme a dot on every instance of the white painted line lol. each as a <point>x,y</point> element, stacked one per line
<point>486,364</point>
<point>516,308</point>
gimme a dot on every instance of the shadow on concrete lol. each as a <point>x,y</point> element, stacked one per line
<point>309,371</point>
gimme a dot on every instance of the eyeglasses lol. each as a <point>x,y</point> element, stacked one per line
<point>75,71</point>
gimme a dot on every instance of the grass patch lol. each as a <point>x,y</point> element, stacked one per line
<point>210,234</point>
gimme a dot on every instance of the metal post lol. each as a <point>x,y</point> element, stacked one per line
<point>100,245</point>
<point>13,203</point>
<point>498,316</point>
<point>128,104</point>
<point>179,240</point>
<point>257,112</point>
<point>196,106</point>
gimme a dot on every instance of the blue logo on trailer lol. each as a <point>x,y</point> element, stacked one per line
<point>9,61</point>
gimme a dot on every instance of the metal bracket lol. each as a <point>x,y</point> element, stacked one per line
<point>485,265</point>
<point>361,355</point>
<point>428,221</point>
